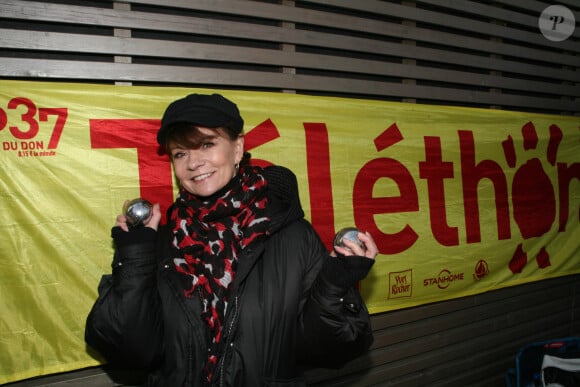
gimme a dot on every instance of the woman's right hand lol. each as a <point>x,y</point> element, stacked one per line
<point>367,248</point>
<point>153,221</point>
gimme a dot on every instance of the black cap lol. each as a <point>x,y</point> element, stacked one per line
<point>209,110</point>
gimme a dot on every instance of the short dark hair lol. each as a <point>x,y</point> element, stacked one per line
<point>189,136</point>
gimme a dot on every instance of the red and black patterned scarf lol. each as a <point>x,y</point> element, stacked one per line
<point>209,234</point>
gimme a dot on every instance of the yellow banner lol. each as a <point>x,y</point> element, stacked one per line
<point>460,201</point>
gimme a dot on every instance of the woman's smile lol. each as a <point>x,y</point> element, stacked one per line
<point>202,177</point>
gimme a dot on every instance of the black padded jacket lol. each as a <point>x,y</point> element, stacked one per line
<point>293,306</point>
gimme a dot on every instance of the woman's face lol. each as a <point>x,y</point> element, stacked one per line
<point>206,169</point>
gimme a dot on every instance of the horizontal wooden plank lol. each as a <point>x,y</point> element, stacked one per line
<point>531,304</point>
<point>519,296</point>
<point>90,377</point>
<point>59,69</point>
<point>516,295</point>
<point>446,355</point>
<point>504,12</point>
<point>498,14</point>
<point>61,42</point>
<point>448,21</point>
<point>369,25</point>
<point>428,343</point>
<point>227,29</point>
<point>545,304</point>
<point>459,360</point>
<point>535,6</point>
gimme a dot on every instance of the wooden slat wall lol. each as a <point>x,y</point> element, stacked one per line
<point>470,341</point>
<point>486,54</point>
<point>482,54</point>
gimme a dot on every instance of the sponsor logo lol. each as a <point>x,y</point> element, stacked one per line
<point>401,284</point>
<point>444,279</point>
<point>481,269</point>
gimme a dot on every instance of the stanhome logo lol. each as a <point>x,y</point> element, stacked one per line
<point>443,279</point>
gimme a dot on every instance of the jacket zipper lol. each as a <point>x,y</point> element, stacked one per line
<point>228,343</point>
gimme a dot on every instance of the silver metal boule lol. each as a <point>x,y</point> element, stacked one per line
<point>137,211</point>
<point>350,233</point>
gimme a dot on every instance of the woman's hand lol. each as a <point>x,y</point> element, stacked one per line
<point>153,221</point>
<point>368,248</point>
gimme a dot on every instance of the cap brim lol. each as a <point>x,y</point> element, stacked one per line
<point>205,117</point>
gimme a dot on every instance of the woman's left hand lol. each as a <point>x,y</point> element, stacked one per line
<point>367,248</point>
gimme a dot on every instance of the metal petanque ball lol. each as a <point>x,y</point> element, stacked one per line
<point>350,233</point>
<point>137,211</point>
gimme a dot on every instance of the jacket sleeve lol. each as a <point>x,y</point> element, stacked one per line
<point>335,323</point>
<point>124,324</point>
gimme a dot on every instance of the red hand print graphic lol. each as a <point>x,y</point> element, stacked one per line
<point>533,197</point>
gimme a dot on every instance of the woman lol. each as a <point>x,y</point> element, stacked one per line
<point>237,289</point>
